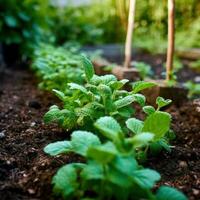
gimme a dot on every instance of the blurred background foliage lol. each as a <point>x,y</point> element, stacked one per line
<point>24,22</point>
<point>29,22</point>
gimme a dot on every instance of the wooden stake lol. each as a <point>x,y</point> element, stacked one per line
<point>171,39</point>
<point>129,35</point>
<point>120,7</point>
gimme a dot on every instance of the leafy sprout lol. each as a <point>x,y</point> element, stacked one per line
<point>100,96</point>
<point>143,68</point>
<point>194,89</point>
<point>111,170</point>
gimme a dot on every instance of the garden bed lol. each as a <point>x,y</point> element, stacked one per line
<point>26,172</point>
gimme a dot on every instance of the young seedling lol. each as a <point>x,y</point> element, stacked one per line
<point>100,96</point>
<point>56,67</point>
<point>165,88</point>
<point>193,88</point>
<point>143,68</point>
<point>111,170</point>
<point>127,71</point>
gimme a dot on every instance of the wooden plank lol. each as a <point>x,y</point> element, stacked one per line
<point>191,54</point>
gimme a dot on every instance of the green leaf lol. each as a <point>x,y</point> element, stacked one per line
<point>124,101</point>
<point>123,81</point>
<point>82,140</point>
<point>168,193</point>
<point>52,114</point>
<point>139,98</point>
<point>161,102</point>
<point>109,127</point>
<point>171,135</point>
<point>106,94</point>
<point>155,148</point>
<point>125,164</point>
<point>65,181</point>
<point>96,80</point>
<point>118,178</point>
<point>126,111</point>
<point>146,178</point>
<point>91,110</point>
<point>88,68</point>
<point>74,86</point>
<point>26,33</point>
<point>92,171</point>
<point>141,139</point>
<point>116,85</point>
<point>58,147</point>
<point>165,145</point>
<point>141,85</point>
<point>59,94</point>
<point>149,110</point>
<point>108,78</point>
<point>11,21</point>
<point>65,118</point>
<point>157,123</point>
<point>135,125</point>
<point>103,154</point>
<point>24,16</point>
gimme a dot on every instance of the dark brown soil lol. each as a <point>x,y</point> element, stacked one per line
<point>25,171</point>
<point>181,167</point>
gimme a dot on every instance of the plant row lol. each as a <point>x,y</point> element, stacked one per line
<point>101,115</point>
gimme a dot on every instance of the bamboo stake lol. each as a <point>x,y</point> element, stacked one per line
<point>122,13</point>
<point>129,35</point>
<point>171,38</point>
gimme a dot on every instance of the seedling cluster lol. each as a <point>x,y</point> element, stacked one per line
<point>56,67</point>
<point>114,124</point>
<point>111,140</point>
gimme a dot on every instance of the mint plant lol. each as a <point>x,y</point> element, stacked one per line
<point>100,96</point>
<point>159,123</point>
<point>111,170</point>
<point>194,89</point>
<point>143,68</point>
<point>56,67</point>
<point>150,134</point>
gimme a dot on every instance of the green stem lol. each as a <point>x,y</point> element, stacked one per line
<point>103,183</point>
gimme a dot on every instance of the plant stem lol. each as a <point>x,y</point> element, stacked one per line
<point>129,35</point>
<point>103,183</point>
<point>171,39</point>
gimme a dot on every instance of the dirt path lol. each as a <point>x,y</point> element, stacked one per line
<point>25,171</point>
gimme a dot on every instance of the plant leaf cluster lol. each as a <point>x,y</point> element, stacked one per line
<point>56,67</point>
<point>115,145</point>
<point>194,89</point>
<point>143,68</point>
<point>111,170</point>
<point>99,96</point>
